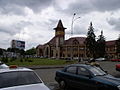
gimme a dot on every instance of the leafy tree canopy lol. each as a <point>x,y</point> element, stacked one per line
<point>31,51</point>
<point>1,51</point>
<point>16,50</point>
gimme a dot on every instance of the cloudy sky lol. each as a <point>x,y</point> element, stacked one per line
<point>33,20</point>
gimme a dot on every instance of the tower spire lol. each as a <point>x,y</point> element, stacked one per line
<point>60,29</point>
<point>59,25</point>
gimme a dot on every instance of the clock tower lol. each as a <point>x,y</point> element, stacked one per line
<point>60,37</point>
<point>60,33</point>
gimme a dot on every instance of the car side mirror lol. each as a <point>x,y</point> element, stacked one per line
<point>89,76</point>
<point>106,71</point>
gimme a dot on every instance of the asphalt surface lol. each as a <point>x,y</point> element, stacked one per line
<point>48,77</point>
<point>47,74</point>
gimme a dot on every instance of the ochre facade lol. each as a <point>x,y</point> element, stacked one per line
<point>73,48</point>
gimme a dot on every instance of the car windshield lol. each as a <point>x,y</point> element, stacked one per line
<point>97,71</point>
<point>10,79</point>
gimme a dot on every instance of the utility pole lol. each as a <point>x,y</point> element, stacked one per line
<point>72,24</point>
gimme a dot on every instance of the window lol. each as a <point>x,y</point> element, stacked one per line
<point>75,42</point>
<point>10,79</point>
<point>71,70</point>
<point>28,78</point>
<point>61,40</point>
<point>97,71</point>
<point>82,71</point>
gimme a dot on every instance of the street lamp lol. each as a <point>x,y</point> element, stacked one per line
<point>73,19</point>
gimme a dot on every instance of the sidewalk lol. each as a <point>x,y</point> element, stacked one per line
<point>46,66</point>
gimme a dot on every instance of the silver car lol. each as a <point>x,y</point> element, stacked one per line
<point>20,79</point>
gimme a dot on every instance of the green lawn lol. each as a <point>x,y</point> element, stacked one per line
<point>38,61</point>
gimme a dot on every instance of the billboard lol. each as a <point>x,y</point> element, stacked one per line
<point>18,44</point>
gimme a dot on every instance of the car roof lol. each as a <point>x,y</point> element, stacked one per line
<point>14,69</point>
<point>80,65</point>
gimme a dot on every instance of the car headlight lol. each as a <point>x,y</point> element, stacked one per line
<point>118,87</point>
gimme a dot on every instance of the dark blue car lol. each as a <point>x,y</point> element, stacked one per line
<point>86,77</point>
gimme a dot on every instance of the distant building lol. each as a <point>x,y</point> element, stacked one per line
<point>11,54</point>
<point>73,48</point>
<point>58,47</point>
<point>18,44</point>
<point>111,49</point>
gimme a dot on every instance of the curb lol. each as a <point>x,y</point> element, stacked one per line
<point>46,67</point>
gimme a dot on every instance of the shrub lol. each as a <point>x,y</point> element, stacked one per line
<point>5,60</point>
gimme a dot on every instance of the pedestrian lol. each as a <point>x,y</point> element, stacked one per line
<point>92,62</point>
<point>79,59</point>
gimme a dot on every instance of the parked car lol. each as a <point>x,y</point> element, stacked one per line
<point>86,77</point>
<point>3,65</point>
<point>100,59</point>
<point>14,78</point>
<point>118,67</point>
<point>115,60</point>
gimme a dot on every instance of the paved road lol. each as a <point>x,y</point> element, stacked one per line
<point>48,75</point>
<point>110,68</point>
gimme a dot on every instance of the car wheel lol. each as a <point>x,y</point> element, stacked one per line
<point>62,85</point>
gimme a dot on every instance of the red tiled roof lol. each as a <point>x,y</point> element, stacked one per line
<point>52,41</point>
<point>79,39</point>
<point>109,43</point>
<point>40,46</point>
<point>67,42</point>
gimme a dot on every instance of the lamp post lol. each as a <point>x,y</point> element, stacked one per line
<point>73,20</point>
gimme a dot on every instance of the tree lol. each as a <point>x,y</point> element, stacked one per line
<point>118,46</point>
<point>31,51</point>
<point>16,50</point>
<point>101,45</point>
<point>90,42</point>
<point>1,51</point>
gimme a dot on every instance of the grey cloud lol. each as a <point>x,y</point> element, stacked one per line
<point>77,30</point>
<point>14,28</point>
<point>12,9</point>
<point>76,7</point>
<point>22,24</point>
<point>106,5</point>
<point>16,6</point>
<point>86,6</point>
<point>53,23</point>
<point>4,44</point>
<point>115,22</point>
<point>80,8</point>
<point>4,30</point>
<point>8,29</point>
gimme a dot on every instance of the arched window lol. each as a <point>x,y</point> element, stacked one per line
<point>75,42</point>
